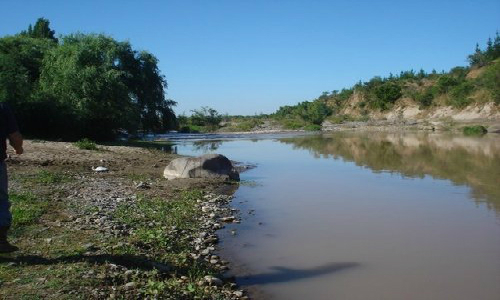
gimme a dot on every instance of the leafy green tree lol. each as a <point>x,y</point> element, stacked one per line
<point>81,75</point>
<point>20,63</point>
<point>206,116</point>
<point>481,58</point>
<point>40,30</point>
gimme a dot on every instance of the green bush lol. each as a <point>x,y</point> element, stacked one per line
<point>446,82</point>
<point>475,130</point>
<point>459,94</point>
<point>191,129</point>
<point>385,95</point>
<point>424,98</point>
<point>293,123</point>
<point>490,80</point>
<point>248,125</point>
<point>206,116</point>
<point>312,127</point>
<point>86,144</point>
<point>313,112</point>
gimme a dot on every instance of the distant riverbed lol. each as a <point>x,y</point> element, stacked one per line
<point>361,215</point>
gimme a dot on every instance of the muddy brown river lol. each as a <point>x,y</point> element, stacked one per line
<point>355,215</point>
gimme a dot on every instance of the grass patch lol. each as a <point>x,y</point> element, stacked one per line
<point>180,212</point>
<point>86,144</point>
<point>164,229</point>
<point>474,130</point>
<point>26,208</point>
<point>47,177</point>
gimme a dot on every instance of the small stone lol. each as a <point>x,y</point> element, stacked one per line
<point>100,169</point>
<point>130,285</point>
<point>211,240</point>
<point>228,219</point>
<point>143,185</point>
<point>238,293</point>
<point>211,280</point>
<point>48,241</point>
<point>89,246</point>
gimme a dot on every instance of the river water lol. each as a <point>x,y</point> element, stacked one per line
<point>359,215</point>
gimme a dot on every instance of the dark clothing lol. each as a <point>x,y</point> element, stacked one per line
<point>5,215</point>
<point>8,125</point>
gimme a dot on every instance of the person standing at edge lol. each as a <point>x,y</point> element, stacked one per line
<point>8,130</point>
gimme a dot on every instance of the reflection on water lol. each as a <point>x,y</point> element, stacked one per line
<point>472,161</point>
<point>355,215</point>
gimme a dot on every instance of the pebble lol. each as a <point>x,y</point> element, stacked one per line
<point>143,185</point>
<point>238,293</point>
<point>228,219</point>
<point>100,169</point>
<point>213,280</point>
<point>130,285</point>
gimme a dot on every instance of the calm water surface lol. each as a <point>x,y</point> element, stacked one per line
<point>366,215</point>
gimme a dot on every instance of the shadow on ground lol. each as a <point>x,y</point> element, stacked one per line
<point>128,261</point>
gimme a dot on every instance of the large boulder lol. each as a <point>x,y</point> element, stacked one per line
<point>205,166</point>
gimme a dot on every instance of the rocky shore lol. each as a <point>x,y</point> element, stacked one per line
<point>104,224</point>
<point>442,124</point>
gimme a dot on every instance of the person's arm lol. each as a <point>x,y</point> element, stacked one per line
<point>16,141</point>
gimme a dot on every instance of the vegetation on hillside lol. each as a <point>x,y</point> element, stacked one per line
<point>454,88</point>
<point>81,85</point>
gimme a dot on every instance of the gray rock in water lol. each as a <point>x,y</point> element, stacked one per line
<point>205,166</point>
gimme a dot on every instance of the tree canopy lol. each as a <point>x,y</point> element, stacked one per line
<point>81,85</point>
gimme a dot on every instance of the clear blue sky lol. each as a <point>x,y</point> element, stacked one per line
<point>246,57</point>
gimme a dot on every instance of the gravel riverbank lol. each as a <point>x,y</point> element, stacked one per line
<point>124,233</point>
